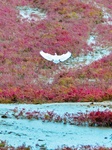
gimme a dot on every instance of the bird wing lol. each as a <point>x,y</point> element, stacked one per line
<point>65,56</point>
<point>46,55</point>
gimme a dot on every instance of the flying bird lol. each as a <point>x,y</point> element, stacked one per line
<point>55,58</point>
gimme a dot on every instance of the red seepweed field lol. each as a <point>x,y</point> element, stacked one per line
<point>82,27</point>
<point>24,74</point>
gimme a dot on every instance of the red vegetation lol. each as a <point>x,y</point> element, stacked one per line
<point>86,147</point>
<point>3,146</point>
<point>93,118</point>
<point>24,74</point>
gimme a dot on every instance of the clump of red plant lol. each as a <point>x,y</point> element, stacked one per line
<point>4,146</point>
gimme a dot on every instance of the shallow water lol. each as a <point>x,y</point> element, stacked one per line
<point>32,132</point>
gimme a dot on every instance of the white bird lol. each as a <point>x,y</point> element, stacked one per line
<point>55,58</point>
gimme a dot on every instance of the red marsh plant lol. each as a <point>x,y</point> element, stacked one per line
<point>24,74</point>
<point>86,147</point>
<point>100,118</point>
<point>4,146</point>
<point>93,118</point>
<point>90,83</point>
